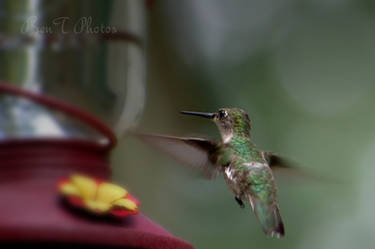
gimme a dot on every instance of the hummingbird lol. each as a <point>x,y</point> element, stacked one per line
<point>247,170</point>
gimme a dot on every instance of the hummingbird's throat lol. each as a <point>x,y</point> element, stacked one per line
<point>227,137</point>
<point>227,134</point>
<point>226,131</point>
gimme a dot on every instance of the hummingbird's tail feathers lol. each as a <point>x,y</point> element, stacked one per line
<point>269,217</point>
<point>195,152</point>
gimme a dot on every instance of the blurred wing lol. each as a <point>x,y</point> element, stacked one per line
<point>196,152</point>
<point>283,167</point>
<point>277,162</point>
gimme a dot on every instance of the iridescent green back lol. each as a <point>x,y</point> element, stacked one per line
<point>258,181</point>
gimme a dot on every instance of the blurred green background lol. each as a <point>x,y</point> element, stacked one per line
<point>304,71</point>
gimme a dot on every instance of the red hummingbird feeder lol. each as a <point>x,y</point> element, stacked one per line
<point>65,67</point>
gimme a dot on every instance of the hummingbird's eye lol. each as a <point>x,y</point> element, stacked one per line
<point>222,114</point>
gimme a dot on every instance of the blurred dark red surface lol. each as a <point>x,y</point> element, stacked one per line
<point>30,209</point>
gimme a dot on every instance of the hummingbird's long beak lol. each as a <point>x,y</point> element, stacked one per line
<point>201,114</point>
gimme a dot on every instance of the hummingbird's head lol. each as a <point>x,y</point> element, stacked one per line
<point>230,121</point>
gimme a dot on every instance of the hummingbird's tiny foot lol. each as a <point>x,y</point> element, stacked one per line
<point>239,201</point>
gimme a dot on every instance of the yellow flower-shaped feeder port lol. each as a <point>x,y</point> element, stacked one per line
<point>97,196</point>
